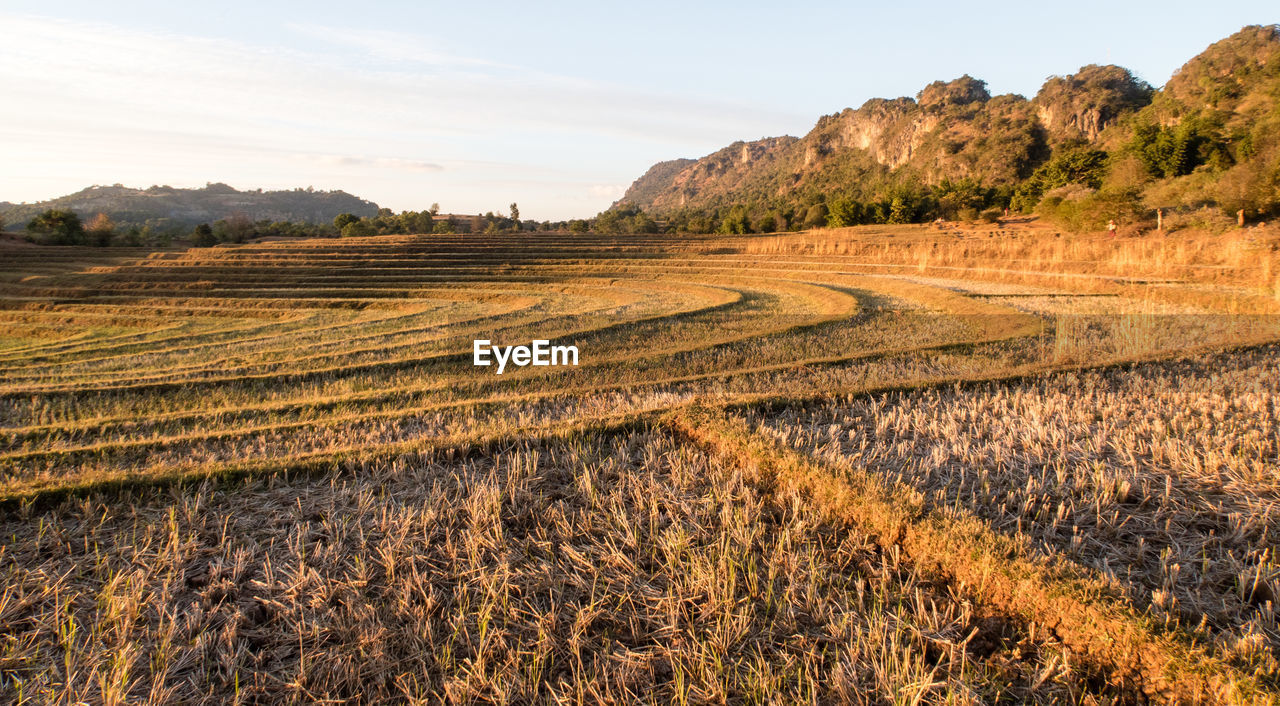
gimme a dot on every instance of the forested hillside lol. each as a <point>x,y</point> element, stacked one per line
<point>166,206</point>
<point>1096,145</point>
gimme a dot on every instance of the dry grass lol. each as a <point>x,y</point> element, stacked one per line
<point>1163,480</point>
<point>619,569</point>
<point>236,473</point>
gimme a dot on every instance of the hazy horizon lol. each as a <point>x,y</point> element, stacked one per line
<point>557,109</point>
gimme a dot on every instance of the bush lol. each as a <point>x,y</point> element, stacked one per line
<point>901,210</point>
<point>1068,207</point>
<point>1211,220</point>
<point>358,228</point>
<point>844,212</point>
<point>1252,187</point>
<point>1076,166</point>
<point>735,222</point>
<point>100,230</point>
<point>1079,209</point>
<point>771,222</point>
<point>1171,151</point>
<point>816,216</point>
<point>990,215</point>
<point>203,237</point>
<point>55,227</point>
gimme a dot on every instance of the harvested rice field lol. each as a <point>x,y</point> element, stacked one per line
<point>871,465</point>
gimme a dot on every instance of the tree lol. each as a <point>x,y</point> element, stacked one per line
<point>844,212</point>
<point>1086,167</point>
<point>341,220</point>
<point>515,214</point>
<point>771,222</point>
<point>1170,152</point>
<point>901,209</point>
<point>816,216</point>
<point>236,228</point>
<point>358,228</point>
<point>415,222</point>
<point>642,222</point>
<point>608,222</point>
<point>57,227</point>
<point>735,222</point>
<point>203,237</point>
<point>100,230</point>
<point>435,209</point>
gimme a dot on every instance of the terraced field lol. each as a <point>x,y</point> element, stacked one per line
<point>878,465</point>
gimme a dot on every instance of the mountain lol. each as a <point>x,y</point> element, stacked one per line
<point>165,205</point>
<point>647,187</point>
<point>1217,113</point>
<point>949,131</point>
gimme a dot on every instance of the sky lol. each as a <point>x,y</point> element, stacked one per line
<point>557,106</point>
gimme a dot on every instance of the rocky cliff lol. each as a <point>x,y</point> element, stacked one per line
<point>951,130</point>
<point>1082,105</point>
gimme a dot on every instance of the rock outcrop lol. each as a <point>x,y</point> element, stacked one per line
<point>950,130</point>
<point>1083,104</point>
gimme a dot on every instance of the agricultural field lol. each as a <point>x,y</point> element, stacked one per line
<point>882,465</point>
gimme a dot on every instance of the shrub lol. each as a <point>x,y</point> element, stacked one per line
<point>901,210</point>
<point>1212,220</point>
<point>771,222</point>
<point>1078,208</point>
<point>1172,151</point>
<point>358,228</point>
<point>1252,187</point>
<point>100,230</point>
<point>56,227</point>
<point>1077,166</point>
<point>844,212</point>
<point>203,237</point>
<point>816,216</point>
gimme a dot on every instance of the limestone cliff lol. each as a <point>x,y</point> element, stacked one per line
<point>1082,105</point>
<point>950,130</point>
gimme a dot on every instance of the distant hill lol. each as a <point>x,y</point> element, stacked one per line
<point>1211,137</point>
<point>165,205</point>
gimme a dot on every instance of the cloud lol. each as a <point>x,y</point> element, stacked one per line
<point>390,45</point>
<point>412,165</point>
<point>370,111</point>
<point>606,191</point>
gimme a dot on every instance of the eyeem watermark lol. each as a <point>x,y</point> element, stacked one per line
<point>540,352</point>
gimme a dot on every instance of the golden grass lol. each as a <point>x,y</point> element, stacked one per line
<point>221,470</point>
<point>602,570</point>
<point>1161,479</point>
<point>947,542</point>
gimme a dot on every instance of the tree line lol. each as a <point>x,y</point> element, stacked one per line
<point>1191,164</point>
